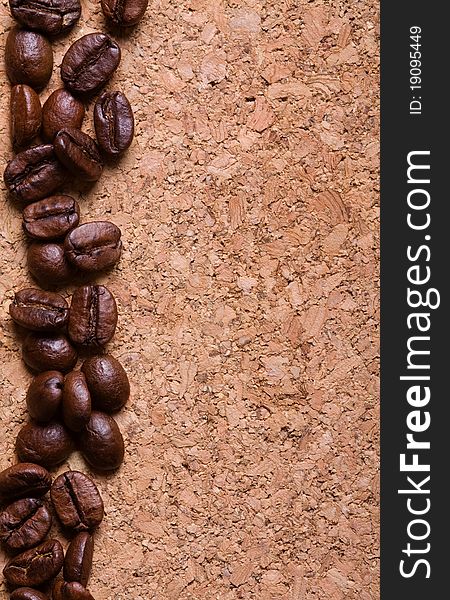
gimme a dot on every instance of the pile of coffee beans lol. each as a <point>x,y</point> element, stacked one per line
<point>26,522</point>
<point>70,408</point>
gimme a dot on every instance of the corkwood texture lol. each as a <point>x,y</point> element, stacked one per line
<point>248,302</point>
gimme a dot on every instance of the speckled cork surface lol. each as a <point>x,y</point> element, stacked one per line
<point>248,299</point>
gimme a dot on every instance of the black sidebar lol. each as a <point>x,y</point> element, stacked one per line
<point>415,237</point>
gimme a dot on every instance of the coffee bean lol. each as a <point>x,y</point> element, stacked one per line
<point>70,591</point>
<point>51,218</point>
<point>61,110</point>
<point>26,593</point>
<point>24,524</point>
<point>48,352</point>
<point>24,480</point>
<point>107,382</point>
<point>89,63</point>
<point>28,58</point>
<point>50,16</point>
<point>93,316</point>
<point>77,501</point>
<point>38,310</point>
<point>46,444</point>
<point>34,567</point>
<point>78,153</point>
<point>44,395</point>
<point>94,246</point>
<point>78,560</point>
<point>101,442</point>
<point>114,123</point>
<point>34,174</point>
<point>48,264</point>
<point>124,12</point>
<point>76,401</point>
<point>26,115</point>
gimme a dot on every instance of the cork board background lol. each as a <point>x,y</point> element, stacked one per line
<point>248,298</point>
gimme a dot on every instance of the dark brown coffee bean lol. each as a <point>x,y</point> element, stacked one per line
<point>76,401</point>
<point>38,310</point>
<point>26,593</point>
<point>93,316</point>
<point>79,154</point>
<point>49,16</point>
<point>124,12</point>
<point>78,559</point>
<point>89,63</point>
<point>107,382</point>
<point>26,115</point>
<point>77,501</point>
<point>48,264</point>
<point>49,352</point>
<point>28,58</point>
<point>114,123</point>
<point>24,524</point>
<point>101,442</point>
<point>61,110</point>
<point>51,218</point>
<point>94,246</point>
<point>44,395</point>
<point>34,174</point>
<point>24,480</point>
<point>70,591</point>
<point>47,444</point>
<point>34,567</point>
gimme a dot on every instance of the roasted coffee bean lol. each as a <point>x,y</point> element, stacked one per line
<point>124,12</point>
<point>50,16</point>
<point>49,352</point>
<point>101,442</point>
<point>93,316</point>
<point>34,174</point>
<point>44,395</point>
<point>26,593</point>
<point>77,501</point>
<point>94,246</point>
<point>76,401</point>
<point>38,310</point>
<point>70,591</point>
<point>61,110</point>
<point>107,382</point>
<point>78,559</point>
<point>78,153</point>
<point>51,218</point>
<point>26,115</point>
<point>47,444</point>
<point>34,567</point>
<point>114,123</point>
<point>24,524</point>
<point>89,63</point>
<point>24,480</point>
<point>48,264</point>
<point>28,58</point>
